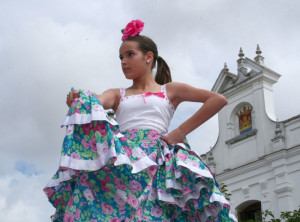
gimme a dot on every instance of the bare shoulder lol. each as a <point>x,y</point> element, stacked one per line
<point>110,98</point>
<point>114,91</point>
<point>174,86</point>
<point>173,92</point>
<point>181,92</point>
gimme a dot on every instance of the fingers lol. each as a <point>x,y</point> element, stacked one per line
<point>75,92</point>
<point>71,96</point>
<point>166,139</point>
<point>172,139</point>
<point>69,101</point>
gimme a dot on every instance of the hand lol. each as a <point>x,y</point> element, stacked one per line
<point>176,136</point>
<point>71,96</point>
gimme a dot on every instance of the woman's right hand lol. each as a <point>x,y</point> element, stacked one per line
<point>71,96</point>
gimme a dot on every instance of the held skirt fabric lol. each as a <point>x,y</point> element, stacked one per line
<point>113,176</point>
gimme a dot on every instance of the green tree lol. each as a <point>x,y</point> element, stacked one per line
<point>286,216</point>
<point>225,192</point>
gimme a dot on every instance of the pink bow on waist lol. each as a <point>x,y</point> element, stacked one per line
<point>159,94</point>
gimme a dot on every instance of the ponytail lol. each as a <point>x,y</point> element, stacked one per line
<point>163,73</point>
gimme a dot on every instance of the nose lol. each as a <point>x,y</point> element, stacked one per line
<point>123,61</point>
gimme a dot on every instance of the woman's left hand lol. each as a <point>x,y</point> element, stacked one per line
<point>176,136</point>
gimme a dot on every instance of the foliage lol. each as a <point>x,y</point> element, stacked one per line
<point>286,216</point>
<point>291,216</point>
<point>271,215</point>
<point>225,192</point>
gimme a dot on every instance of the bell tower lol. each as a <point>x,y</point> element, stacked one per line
<point>256,156</point>
<point>248,115</point>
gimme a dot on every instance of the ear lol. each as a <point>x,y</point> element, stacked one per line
<point>149,56</point>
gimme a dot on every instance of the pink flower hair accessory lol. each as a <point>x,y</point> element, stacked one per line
<point>133,28</point>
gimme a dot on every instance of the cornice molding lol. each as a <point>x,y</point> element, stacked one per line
<point>257,164</point>
<point>241,137</point>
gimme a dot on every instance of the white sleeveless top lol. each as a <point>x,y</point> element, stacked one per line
<point>145,111</point>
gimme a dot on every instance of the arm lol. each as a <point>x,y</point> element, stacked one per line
<point>179,92</point>
<point>109,99</point>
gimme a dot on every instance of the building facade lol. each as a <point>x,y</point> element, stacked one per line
<point>256,156</point>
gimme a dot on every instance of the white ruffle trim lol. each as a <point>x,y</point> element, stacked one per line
<point>137,166</point>
<point>78,118</point>
<point>181,202</point>
<point>93,165</point>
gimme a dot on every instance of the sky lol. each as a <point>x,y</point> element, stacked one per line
<point>47,47</point>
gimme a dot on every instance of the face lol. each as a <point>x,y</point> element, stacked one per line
<point>133,61</point>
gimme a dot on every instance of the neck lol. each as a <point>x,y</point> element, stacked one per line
<point>144,83</point>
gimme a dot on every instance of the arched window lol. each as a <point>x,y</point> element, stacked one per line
<point>249,211</point>
<point>242,123</point>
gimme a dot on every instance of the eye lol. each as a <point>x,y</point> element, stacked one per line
<point>130,54</point>
<point>121,57</point>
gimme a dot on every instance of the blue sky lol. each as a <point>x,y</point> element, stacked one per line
<point>46,47</point>
<point>27,168</point>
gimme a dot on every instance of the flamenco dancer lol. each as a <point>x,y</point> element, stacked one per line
<point>131,169</point>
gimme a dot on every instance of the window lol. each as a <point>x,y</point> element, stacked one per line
<point>249,211</point>
<point>242,123</point>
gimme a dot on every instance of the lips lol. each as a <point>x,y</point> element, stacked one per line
<point>125,69</point>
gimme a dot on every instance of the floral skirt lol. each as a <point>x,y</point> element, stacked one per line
<point>113,176</point>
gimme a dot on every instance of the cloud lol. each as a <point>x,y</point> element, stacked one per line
<point>45,49</point>
<point>22,199</point>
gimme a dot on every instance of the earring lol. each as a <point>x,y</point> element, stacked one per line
<point>148,61</point>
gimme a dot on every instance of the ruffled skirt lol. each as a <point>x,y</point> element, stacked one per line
<point>108,175</point>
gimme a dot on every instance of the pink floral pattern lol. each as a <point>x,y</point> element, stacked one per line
<point>106,208</point>
<point>68,217</point>
<point>134,186</point>
<point>182,156</point>
<point>120,198</point>
<point>156,211</point>
<point>129,178</point>
<point>131,200</point>
<point>88,194</point>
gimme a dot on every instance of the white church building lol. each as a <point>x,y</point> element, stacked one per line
<point>256,156</point>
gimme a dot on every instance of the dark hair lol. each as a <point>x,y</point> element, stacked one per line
<point>163,74</point>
